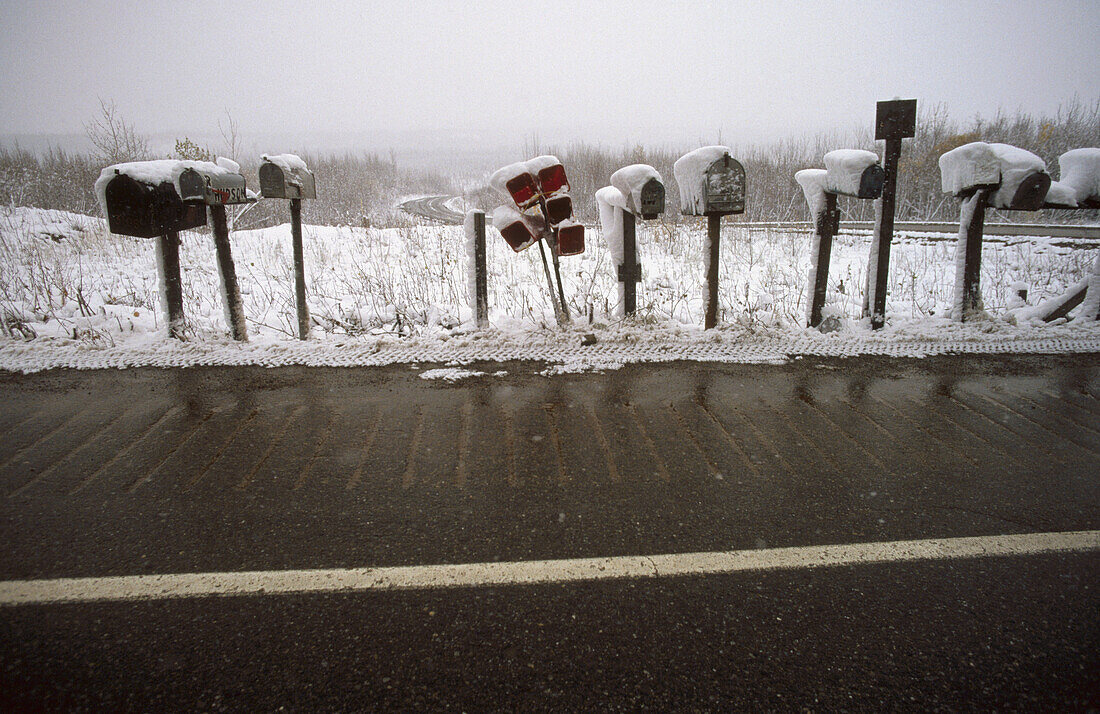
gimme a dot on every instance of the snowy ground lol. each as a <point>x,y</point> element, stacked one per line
<point>74,295</point>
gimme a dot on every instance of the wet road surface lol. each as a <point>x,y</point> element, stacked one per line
<point>223,470</point>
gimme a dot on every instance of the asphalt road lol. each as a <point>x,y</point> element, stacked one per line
<point>224,470</point>
<point>433,208</point>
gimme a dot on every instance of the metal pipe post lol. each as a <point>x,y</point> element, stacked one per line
<point>299,268</point>
<point>886,231</point>
<point>234,312</point>
<point>714,234</point>
<point>173,284</point>
<point>629,273</point>
<point>481,278</point>
<point>827,224</point>
<point>550,284</point>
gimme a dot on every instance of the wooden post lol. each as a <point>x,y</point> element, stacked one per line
<point>169,256</point>
<point>299,268</point>
<point>885,231</point>
<point>971,226</point>
<point>714,234</point>
<point>481,278</point>
<point>234,312</point>
<point>630,270</point>
<point>826,227</point>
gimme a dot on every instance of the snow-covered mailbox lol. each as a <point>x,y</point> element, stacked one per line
<point>539,189</point>
<point>160,198</point>
<point>287,176</point>
<point>984,176</point>
<point>1078,188</point>
<point>635,190</point>
<point>712,184</point>
<point>848,172</point>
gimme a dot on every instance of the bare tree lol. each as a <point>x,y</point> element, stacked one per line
<point>115,139</point>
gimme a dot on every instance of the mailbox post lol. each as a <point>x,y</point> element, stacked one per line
<point>286,176</point>
<point>894,120</point>
<point>985,175</point>
<point>643,195</point>
<point>217,188</point>
<point>848,172</point>
<point>476,267</point>
<point>540,190</point>
<point>712,184</point>
<point>158,199</point>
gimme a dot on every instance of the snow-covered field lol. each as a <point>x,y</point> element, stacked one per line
<point>73,294</point>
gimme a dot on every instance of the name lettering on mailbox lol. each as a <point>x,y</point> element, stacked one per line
<point>234,194</point>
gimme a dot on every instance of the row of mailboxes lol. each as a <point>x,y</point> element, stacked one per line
<point>146,199</point>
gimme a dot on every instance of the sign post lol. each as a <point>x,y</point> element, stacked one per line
<point>286,176</point>
<point>894,120</point>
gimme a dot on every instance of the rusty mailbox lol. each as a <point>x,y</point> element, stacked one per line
<point>282,180</point>
<point>213,188</point>
<point>724,187</point>
<point>143,210</point>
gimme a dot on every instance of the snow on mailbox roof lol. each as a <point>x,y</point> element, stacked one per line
<point>153,173</point>
<point>631,179</point>
<point>690,173</point>
<point>982,164</point>
<point>287,162</point>
<point>540,162</point>
<point>845,168</point>
<point>1080,170</point>
<point>813,182</point>
<point>503,175</point>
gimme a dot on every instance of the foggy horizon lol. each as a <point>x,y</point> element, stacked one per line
<point>439,79</point>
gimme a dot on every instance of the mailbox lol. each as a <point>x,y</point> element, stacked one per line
<point>517,183</point>
<point>1019,177</point>
<point>213,186</point>
<point>854,172</point>
<point>516,229</point>
<point>282,177</point>
<point>642,188</point>
<point>1079,186</point>
<point>558,209</point>
<point>144,210</point>
<point>724,187</point>
<point>570,238</point>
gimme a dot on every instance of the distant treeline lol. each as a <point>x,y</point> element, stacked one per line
<point>354,189</point>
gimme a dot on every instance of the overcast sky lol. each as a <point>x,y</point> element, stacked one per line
<point>482,73</point>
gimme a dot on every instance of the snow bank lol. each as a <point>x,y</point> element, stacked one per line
<point>154,173</point>
<point>845,168</point>
<point>630,180</point>
<point>1081,172</point>
<point>813,183</point>
<point>690,174</point>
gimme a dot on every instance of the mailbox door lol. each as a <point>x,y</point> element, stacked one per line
<point>652,198</point>
<point>724,188</point>
<point>871,182</point>
<point>272,181</point>
<point>558,209</point>
<point>1031,193</point>
<point>523,190</point>
<point>571,239</point>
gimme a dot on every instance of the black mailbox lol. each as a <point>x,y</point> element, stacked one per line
<point>135,208</point>
<point>724,187</point>
<point>652,199</point>
<point>213,188</point>
<point>283,181</point>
